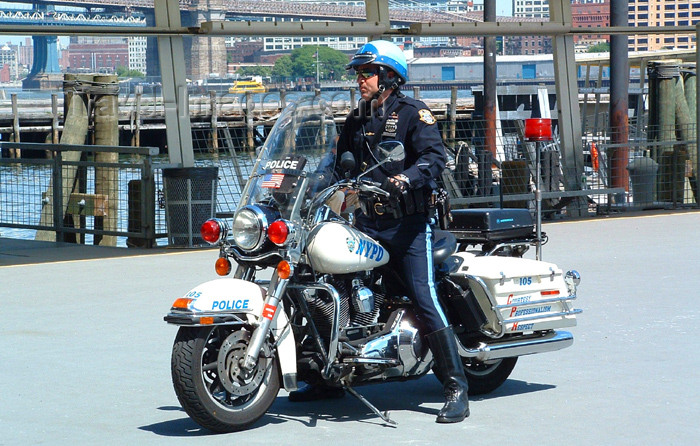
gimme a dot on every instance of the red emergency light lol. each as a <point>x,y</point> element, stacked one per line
<point>538,129</point>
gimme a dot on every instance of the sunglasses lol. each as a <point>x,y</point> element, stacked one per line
<point>366,73</point>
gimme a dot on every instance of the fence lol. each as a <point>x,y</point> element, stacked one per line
<point>70,196</point>
<point>661,165</point>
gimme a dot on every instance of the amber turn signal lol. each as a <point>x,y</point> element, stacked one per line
<point>284,270</point>
<point>222,266</point>
<point>182,303</point>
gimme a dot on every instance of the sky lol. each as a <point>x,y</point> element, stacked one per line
<point>503,8</point>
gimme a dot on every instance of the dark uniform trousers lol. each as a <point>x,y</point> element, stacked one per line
<point>409,241</point>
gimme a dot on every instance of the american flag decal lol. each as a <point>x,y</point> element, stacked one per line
<point>272,180</point>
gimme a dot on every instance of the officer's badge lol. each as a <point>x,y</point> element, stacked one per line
<point>390,127</point>
<point>426,116</point>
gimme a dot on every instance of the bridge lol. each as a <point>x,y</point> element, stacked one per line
<point>135,13</point>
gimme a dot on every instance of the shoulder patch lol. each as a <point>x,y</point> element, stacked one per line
<point>426,116</point>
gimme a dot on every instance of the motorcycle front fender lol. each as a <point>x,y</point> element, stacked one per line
<point>236,302</point>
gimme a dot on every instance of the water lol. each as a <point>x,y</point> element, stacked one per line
<point>20,198</point>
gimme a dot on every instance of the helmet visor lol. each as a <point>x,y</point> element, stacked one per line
<point>361,59</point>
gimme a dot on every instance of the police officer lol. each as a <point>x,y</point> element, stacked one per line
<point>402,223</point>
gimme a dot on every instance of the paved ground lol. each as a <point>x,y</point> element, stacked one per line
<point>84,353</point>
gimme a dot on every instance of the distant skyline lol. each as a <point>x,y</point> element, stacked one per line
<point>503,8</point>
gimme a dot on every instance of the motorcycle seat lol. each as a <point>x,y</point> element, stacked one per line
<point>444,245</point>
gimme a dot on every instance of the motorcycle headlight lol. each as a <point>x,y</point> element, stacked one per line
<point>249,227</point>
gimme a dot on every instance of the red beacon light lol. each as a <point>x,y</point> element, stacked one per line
<point>538,129</point>
<point>278,232</point>
<point>213,231</point>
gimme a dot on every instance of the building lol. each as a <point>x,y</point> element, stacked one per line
<point>662,13</point>
<point>471,69</point>
<point>588,14</point>
<point>531,8</point>
<point>25,53</point>
<point>527,45</point>
<point>8,63</point>
<point>97,54</point>
<point>137,53</point>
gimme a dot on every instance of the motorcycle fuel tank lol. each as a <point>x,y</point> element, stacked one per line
<point>336,248</point>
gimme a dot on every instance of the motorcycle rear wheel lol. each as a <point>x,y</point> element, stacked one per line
<point>485,377</point>
<point>210,386</point>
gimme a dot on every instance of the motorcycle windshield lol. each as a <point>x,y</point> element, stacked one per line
<point>297,159</point>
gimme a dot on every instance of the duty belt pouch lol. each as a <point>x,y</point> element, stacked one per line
<point>440,200</point>
<point>407,196</point>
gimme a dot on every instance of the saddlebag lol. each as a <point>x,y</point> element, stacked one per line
<point>516,294</point>
<point>487,225</point>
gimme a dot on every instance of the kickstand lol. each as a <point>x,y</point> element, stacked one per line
<point>384,416</point>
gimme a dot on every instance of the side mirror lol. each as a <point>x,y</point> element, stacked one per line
<point>392,150</point>
<point>347,162</point>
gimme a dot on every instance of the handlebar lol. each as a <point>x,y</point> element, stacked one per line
<point>366,186</point>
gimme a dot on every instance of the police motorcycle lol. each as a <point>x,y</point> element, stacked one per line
<point>331,311</point>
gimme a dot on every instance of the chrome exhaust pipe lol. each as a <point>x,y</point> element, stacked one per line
<point>529,345</point>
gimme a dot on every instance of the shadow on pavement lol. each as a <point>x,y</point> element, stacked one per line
<point>413,395</point>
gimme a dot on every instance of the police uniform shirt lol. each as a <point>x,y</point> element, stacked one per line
<point>406,120</point>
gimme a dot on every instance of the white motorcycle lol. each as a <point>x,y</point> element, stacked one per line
<point>333,311</point>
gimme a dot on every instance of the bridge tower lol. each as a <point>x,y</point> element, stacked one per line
<point>45,68</point>
<point>207,54</point>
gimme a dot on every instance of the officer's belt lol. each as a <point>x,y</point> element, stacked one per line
<point>411,202</point>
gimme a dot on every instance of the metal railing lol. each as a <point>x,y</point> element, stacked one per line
<point>64,193</point>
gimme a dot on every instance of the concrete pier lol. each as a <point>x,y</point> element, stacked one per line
<point>86,355</point>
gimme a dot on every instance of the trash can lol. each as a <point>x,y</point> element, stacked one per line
<point>643,177</point>
<point>190,200</point>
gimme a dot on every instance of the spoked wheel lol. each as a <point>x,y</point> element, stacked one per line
<point>210,384</point>
<point>485,377</point>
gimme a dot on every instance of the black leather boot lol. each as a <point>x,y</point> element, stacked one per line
<point>449,367</point>
<point>314,392</point>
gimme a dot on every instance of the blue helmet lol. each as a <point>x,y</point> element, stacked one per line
<point>384,54</point>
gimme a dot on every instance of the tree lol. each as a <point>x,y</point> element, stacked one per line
<point>602,47</point>
<point>255,71</point>
<point>123,71</point>
<point>283,68</point>
<point>304,59</point>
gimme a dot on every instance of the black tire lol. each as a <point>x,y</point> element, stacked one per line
<point>487,377</point>
<point>204,394</point>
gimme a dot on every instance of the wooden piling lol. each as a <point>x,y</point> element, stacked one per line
<point>214,122</point>
<point>283,98</point>
<point>75,130</point>
<point>136,127</point>
<point>15,153</point>
<point>453,116</point>
<point>107,134</point>
<point>250,140</point>
<point>416,92</point>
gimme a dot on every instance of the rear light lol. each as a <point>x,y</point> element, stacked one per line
<point>278,232</point>
<point>222,266</point>
<point>549,293</point>
<point>212,231</point>
<point>182,303</point>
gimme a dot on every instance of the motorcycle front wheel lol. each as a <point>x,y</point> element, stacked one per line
<point>211,386</point>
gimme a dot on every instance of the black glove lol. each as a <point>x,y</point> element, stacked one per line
<point>394,186</point>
